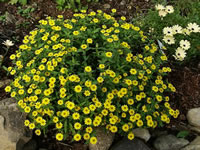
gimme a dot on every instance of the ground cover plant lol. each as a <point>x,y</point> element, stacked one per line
<point>86,72</point>
<point>73,75</point>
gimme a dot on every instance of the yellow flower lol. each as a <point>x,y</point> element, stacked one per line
<point>59,125</point>
<point>101,66</point>
<point>124,108</point>
<point>65,113</point>
<point>114,10</point>
<point>86,136</point>
<point>159,98</point>
<point>47,92</point>
<point>12,57</point>
<point>86,110</point>
<point>93,140</point>
<point>27,109</point>
<point>75,116</point>
<point>31,126</point>
<point>21,92</point>
<point>93,87</point>
<point>83,46</point>
<point>8,88</point>
<point>108,54</point>
<point>59,136</point>
<point>100,79</point>
<point>139,123</point>
<point>89,41</point>
<point>133,71</point>
<point>130,101</point>
<point>95,20</point>
<point>78,89</point>
<point>88,121</point>
<point>77,137</point>
<point>88,69</point>
<point>77,126</point>
<point>38,132</point>
<point>92,107</point>
<point>131,136</point>
<point>110,40</point>
<point>113,129</point>
<point>125,127</point>
<point>75,33</point>
<point>89,129</point>
<point>55,119</point>
<point>26,122</point>
<point>123,18</point>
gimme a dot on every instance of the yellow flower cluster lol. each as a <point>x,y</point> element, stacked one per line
<point>90,71</point>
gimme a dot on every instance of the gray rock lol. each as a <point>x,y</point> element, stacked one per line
<point>142,133</point>
<point>104,140</point>
<point>4,83</point>
<point>123,2</point>
<point>156,133</point>
<point>126,144</point>
<point>194,145</point>
<point>193,117</point>
<point>106,6</point>
<point>11,125</point>
<point>169,142</point>
<point>196,129</point>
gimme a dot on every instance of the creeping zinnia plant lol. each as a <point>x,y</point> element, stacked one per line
<point>72,76</point>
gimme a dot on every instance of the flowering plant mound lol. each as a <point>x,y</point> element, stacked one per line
<point>78,74</point>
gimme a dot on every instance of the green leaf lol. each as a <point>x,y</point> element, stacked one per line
<point>5,68</point>
<point>65,126</point>
<point>60,2</point>
<point>23,2</point>
<point>13,1</point>
<point>182,134</point>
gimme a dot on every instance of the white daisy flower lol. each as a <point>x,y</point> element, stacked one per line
<point>169,9</point>
<point>169,40</point>
<point>186,31</point>
<point>160,7</point>
<point>8,43</point>
<point>168,31</point>
<point>162,13</point>
<point>180,54</point>
<point>177,29</point>
<point>193,27</point>
<point>185,44</point>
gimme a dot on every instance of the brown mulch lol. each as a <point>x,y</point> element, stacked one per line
<point>187,96</point>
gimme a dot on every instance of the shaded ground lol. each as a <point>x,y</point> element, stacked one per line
<point>187,83</point>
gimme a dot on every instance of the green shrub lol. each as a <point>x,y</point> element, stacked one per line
<point>22,2</point>
<point>179,22</point>
<point>71,76</point>
<point>72,4</point>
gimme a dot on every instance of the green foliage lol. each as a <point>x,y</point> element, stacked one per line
<point>23,2</point>
<point>3,0</point>
<point>25,12</point>
<point>3,18</point>
<point>90,71</point>
<point>186,13</point>
<point>72,4</point>
<point>182,134</point>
